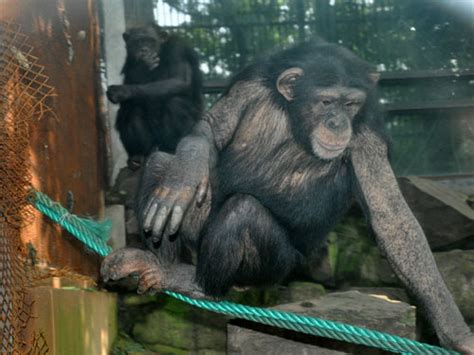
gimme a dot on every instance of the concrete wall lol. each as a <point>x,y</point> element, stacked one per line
<point>113,25</point>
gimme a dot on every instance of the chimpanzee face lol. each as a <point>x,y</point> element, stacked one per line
<point>143,44</point>
<point>321,118</point>
<point>333,110</point>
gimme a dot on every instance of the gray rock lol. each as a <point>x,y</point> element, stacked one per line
<point>178,325</point>
<point>457,268</point>
<point>322,265</point>
<point>300,291</point>
<point>376,271</point>
<point>352,307</point>
<point>124,344</point>
<point>246,341</point>
<point>393,293</point>
<point>358,259</point>
<point>369,311</point>
<point>444,213</point>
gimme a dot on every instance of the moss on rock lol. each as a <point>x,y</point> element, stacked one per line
<point>181,326</point>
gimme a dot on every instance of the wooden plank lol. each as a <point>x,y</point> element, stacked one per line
<point>429,105</point>
<point>66,150</point>
<point>73,320</point>
<point>217,86</point>
<point>408,75</point>
<point>386,78</point>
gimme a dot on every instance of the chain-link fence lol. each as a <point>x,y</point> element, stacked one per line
<point>426,49</point>
<point>24,91</point>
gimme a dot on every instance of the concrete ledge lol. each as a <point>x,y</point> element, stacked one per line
<point>73,320</point>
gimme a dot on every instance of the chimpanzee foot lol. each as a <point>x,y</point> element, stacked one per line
<point>153,276</point>
<point>126,261</point>
<point>151,280</point>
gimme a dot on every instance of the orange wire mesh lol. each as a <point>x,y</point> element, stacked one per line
<point>24,92</point>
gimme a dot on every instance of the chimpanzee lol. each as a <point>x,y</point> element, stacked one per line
<point>267,173</point>
<point>161,97</point>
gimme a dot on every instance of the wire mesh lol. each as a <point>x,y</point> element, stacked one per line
<point>24,95</point>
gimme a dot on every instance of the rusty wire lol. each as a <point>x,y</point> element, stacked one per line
<point>24,94</point>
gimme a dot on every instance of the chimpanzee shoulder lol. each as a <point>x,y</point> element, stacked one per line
<point>178,47</point>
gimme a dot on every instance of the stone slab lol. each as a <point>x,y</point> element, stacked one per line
<point>351,307</point>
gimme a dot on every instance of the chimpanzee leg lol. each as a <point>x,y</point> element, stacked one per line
<point>135,133</point>
<point>243,245</point>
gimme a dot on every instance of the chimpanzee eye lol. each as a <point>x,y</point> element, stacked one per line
<point>146,42</point>
<point>326,102</point>
<point>353,103</point>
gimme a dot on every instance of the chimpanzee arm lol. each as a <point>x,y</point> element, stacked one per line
<point>179,81</point>
<point>400,236</point>
<point>187,178</point>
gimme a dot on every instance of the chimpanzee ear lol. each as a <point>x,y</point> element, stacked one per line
<point>286,82</point>
<point>160,31</point>
<point>374,77</point>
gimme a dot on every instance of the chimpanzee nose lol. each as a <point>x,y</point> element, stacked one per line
<point>332,124</point>
<point>336,123</point>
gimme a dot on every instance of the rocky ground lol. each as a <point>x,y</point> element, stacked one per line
<point>353,283</point>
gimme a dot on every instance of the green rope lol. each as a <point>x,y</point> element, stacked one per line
<point>316,326</point>
<point>91,233</point>
<point>94,236</point>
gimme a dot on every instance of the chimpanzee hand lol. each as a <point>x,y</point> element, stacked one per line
<point>183,183</point>
<point>151,60</point>
<point>118,93</point>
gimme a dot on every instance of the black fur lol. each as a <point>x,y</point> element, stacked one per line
<point>273,199</point>
<point>236,250</point>
<point>157,116</point>
<point>283,154</point>
<point>283,223</point>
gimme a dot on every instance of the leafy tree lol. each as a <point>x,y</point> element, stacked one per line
<point>395,34</point>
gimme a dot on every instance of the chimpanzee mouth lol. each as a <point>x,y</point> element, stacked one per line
<point>332,147</point>
<point>327,151</point>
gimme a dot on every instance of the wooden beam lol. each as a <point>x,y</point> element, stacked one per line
<point>409,107</point>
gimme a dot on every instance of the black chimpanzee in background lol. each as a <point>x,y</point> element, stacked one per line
<point>161,97</point>
<point>267,173</point>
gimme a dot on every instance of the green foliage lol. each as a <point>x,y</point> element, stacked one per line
<point>396,34</point>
